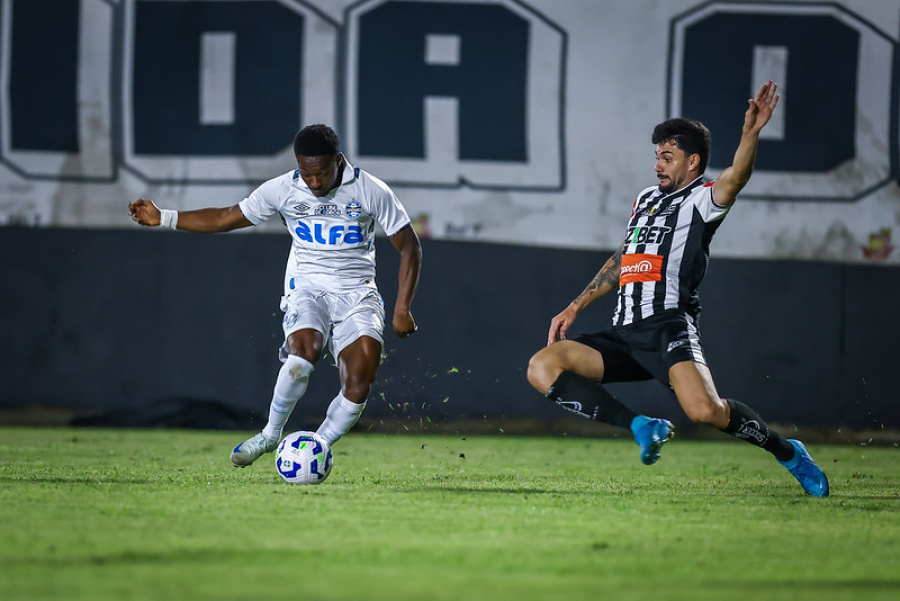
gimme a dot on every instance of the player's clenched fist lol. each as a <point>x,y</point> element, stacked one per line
<point>144,212</point>
<point>404,324</point>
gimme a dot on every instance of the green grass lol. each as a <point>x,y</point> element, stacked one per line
<point>132,514</point>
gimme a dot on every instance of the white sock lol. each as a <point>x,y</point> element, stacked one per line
<point>342,414</point>
<point>289,387</point>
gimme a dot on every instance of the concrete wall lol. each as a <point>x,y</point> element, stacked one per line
<point>140,325</point>
<point>494,120</point>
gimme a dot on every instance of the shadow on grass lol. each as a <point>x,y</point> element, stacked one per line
<point>61,480</point>
<point>492,490</point>
<point>861,502</point>
<point>131,557</point>
<point>887,584</point>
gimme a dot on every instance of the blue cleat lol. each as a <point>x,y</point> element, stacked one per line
<point>804,469</point>
<point>651,434</point>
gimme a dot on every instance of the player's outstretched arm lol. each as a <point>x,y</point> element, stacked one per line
<point>407,242</point>
<point>734,178</point>
<point>606,280</point>
<point>211,220</point>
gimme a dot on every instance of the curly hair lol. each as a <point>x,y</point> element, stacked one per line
<point>316,140</point>
<point>687,134</point>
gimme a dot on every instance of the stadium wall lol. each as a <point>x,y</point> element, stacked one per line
<point>159,328</point>
<point>515,132</point>
<point>495,120</point>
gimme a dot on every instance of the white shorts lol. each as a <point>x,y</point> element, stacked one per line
<point>342,318</point>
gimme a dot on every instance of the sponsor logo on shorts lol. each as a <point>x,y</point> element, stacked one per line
<point>674,345</point>
<point>290,320</point>
<point>640,267</point>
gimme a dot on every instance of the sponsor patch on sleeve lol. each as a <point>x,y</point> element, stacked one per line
<point>640,267</point>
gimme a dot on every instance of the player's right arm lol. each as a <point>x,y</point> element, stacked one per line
<point>209,220</point>
<point>606,280</point>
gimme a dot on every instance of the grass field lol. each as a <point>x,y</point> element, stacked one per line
<point>133,514</point>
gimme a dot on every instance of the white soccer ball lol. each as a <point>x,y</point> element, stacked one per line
<point>303,458</point>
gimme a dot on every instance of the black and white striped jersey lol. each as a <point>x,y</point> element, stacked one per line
<point>666,251</point>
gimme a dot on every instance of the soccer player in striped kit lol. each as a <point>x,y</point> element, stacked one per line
<point>330,300</point>
<point>656,273</point>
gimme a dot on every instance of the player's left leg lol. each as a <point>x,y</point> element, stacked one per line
<point>356,342</point>
<point>358,364</point>
<point>570,372</point>
<point>696,392</point>
<point>306,322</point>
<point>304,348</point>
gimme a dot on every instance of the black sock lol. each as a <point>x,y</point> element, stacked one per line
<point>589,399</point>
<point>745,424</point>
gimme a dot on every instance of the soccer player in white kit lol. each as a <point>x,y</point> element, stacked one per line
<point>330,298</point>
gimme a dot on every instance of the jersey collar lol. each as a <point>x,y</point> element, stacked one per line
<point>349,173</point>
<point>686,189</point>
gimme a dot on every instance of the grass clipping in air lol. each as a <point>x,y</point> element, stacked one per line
<point>131,514</point>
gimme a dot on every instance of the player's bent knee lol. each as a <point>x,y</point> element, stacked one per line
<point>541,373</point>
<point>298,368</point>
<point>308,347</point>
<point>356,388</point>
<point>705,411</point>
<point>356,393</point>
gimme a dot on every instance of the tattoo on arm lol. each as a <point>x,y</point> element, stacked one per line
<point>607,277</point>
<point>610,272</point>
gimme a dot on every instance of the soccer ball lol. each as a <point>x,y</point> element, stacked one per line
<point>303,458</point>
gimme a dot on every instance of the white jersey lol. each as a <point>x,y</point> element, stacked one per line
<point>334,235</point>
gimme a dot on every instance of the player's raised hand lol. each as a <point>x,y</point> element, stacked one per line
<point>144,212</point>
<point>404,324</point>
<point>560,324</point>
<point>760,110</point>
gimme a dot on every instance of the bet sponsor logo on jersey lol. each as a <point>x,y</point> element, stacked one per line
<point>647,234</point>
<point>640,267</point>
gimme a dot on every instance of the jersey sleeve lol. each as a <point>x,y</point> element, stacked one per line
<point>706,204</point>
<point>386,207</point>
<point>262,203</point>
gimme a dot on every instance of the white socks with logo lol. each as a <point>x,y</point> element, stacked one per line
<point>289,387</point>
<point>341,415</point>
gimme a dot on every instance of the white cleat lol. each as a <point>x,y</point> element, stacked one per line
<point>252,449</point>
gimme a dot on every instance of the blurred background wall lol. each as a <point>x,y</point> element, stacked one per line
<point>517,135</point>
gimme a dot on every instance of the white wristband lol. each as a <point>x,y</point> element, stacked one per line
<point>168,218</point>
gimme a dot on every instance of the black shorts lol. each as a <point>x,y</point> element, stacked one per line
<point>648,348</point>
